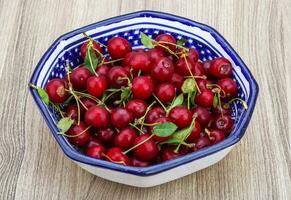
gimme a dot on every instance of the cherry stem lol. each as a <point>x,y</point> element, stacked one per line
<point>145,114</point>
<point>188,100</point>
<point>184,56</point>
<point>72,136</point>
<point>169,50</point>
<point>118,162</point>
<point>109,95</point>
<point>58,109</point>
<point>217,88</point>
<point>125,78</point>
<point>153,124</point>
<point>125,152</point>
<point>244,103</point>
<point>134,126</point>
<point>197,77</point>
<point>208,133</point>
<point>112,61</point>
<point>158,100</point>
<point>32,86</point>
<point>173,44</point>
<point>90,38</point>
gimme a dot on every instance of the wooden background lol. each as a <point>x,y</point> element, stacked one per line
<point>33,167</point>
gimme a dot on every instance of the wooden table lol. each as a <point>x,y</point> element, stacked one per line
<point>32,166</point>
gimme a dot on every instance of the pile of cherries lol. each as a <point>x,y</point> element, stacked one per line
<point>112,107</point>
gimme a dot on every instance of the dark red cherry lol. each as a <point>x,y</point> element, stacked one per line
<point>106,135</point>
<point>155,54</point>
<point>168,153</point>
<point>193,55</point>
<point>225,109</point>
<point>163,69</point>
<point>115,76</point>
<point>116,155</point>
<point>118,47</point>
<point>223,123</point>
<point>78,134</point>
<point>121,117</point>
<point>138,163</point>
<point>56,90</point>
<point>195,133</point>
<point>94,141</point>
<point>96,85</point>
<point>146,151</point>
<point>137,107</point>
<point>79,77</point>
<point>96,152</point>
<point>204,99</point>
<point>177,81</point>
<point>229,87</point>
<point>127,58</point>
<point>72,112</point>
<point>97,117</point>
<point>84,47</point>
<point>166,38</point>
<point>203,83</point>
<point>142,87</point>
<point>216,136</point>
<point>151,128</point>
<point>181,116</point>
<point>184,66</point>
<point>206,67</point>
<point>165,92</point>
<point>198,69</point>
<point>221,68</point>
<point>203,115</point>
<point>140,61</point>
<point>155,113</point>
<point>102,70</point>
<point>125,138</point>
<point>201,142</point>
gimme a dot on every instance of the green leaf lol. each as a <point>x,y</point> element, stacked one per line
<point>177,101</point>
<point>188,86</point>
<point>181,135</point>
<point>91,61</point>
<point>65,124</point>
<point>215,101</point>
<point>125,93</point>
<point>192,98</point>
<point>181,42</point>
<point>172,141</point>
<point>146,41</point>
<point>165,129</point>
<point>43,95</point>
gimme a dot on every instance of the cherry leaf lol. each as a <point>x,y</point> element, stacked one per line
<point>181,42</point>
<point>65,124</point>
<point>177,101</point>
<point>192,98</point>
<point>91,61</point>
<point>43,95</point>
<point>146,41</point>
<point>165,129</point>
<point>172,141</point>
<point>188,86</point>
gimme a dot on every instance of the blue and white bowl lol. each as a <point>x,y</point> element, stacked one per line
<point>206,40</point>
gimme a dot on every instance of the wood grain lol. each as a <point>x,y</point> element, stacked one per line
<point>33,167</point>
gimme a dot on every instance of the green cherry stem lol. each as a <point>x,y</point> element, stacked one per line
<point>169,50</point>
<point>187,64</point>
<point>158,100</point>
<point>57,107</point>
<point>173,44</point>
<point>145,114</point>
<point>90,38</point>
<point>188,100</point>
<point>244,103</point>
<point>134,126</point>
<point>112,61</point>
<point>72,136</point>
<point>125,152</point>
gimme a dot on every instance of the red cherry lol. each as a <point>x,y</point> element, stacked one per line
<point>223,123</point>
<point>147,150</point>
<point>79,77</point>
<point>166,38</point>
<point>102,70</point>
<point>138,163</point>
<point>106,135</point>
<point>56,90</point>
<point>202,84</point>
<point>229,87</point>
<point>116,155</point>
<point>96,152</point>
<point>84,47</point>
<point>183,65</point>
<point>163,69</point>
<point>121,117</point>
<point>137,107</point>
<point>151,128</point>
<point>165,92</point>
<point>168,153</point>
<point>72,112</point>
<point>181,116</point>
<point>206,67</point>
<point>94,141</point>
<point>195,133</point>
<point>204,99</point>
<point>142,87</point>
<point>88,103</point>
<point>216,136</point>
<point>114,75</point>
<point>96,85</point>
<point>127,58</point>
<point>80,134</point>
<point>155,54</point>
<point>203,115</point>
<point>201,142</point>
<point>140,61</point>
<point>155,113</point>
<point>125,138</point>
<point>118,47</point>
<point>97,117</point>
<point>193,55</point>
<point>221,68</point>
<point>177,81</point>
<point>198,69</point>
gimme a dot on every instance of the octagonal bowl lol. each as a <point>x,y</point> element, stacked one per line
<point>206,40</point>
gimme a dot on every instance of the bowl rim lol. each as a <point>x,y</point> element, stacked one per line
<point>161,167</point>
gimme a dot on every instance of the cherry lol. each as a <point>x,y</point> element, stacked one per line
<point>168,153</point>
<point>166,38</point>
<point>121,117</point>
<point>137,107</point>
<point>193,55</point>
<point>138,163</point>
<point>221,68</point>
<point>96,85</point>
<point>115,74</point>
<point>56,90</point>
<point>142,87</point>
<point>88,103</point>
<point>79,77</point>
<point>203,115</point>
<point>202,84</point>
<point>118,47</point>
<point>201,142</point>
<point>198,69</point>
<point>96,152</point>
<point>125,138</point>
<point>229,87</point>
<point>181,116</point>
<point>72,112</point>
<point>140,61</point>
<point>84,47</point>
<point>106,135</point>
<point>204,99</point>
<point>182,66</point>
<point>165,92</point>
<point>160,120</point>
<point>195,133</point>
<point>93,141</point>
<point>225,109</point>
<point>97,117</point>
<point>102,70</point>
<point>216,136</point>
<point>127,58</point>
<point>147,150</point>
<point>80,135</point>
<point>163,69</point>
<point>116,155</point>
<point>155,113</point>
<point>155,54</point>
<point>206,67</point>
<point>223,123</point>
<point>177,81</point>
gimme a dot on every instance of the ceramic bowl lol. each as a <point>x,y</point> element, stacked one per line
<point>206,40</point>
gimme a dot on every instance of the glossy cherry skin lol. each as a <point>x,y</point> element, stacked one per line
<point>177,81</point>
<point>166,38</point>
<point>193,55</point>
<point>121,117</point>
<point>181,116</point>
<point>137,107</point>
<point>118,47</point>
<point>114,75</point>
<point>151,128</point>
<point>127,58</point>
<point>106,135</point>
<point>140,61</point>
<point>229,87</point>
<point>201,142</point>
<point>96,152</point>
<point>204,99</point>
<point>225,109</point>
<point>56,90</point>
<point>155,113</point>
<point>165,92</point>
<point>195,133</point>
<point>125,138</point>
<point>138,163</point>
<point>155,54</point>
<point>96,85</point>
<point>93,141</point>
<point>216,136</point>
<point>206,67</point>
<point>81,137</point>
<point>168,153</point>
<point>79,77</point>
<point>221,68</point>
<point>102,70</point>
<point>202,84</point>
<point>116,155</point>
<point>142,87</point>
<point>146,151</point>
<point>72,112</point>
<point>163,69</point>
<point>97,117</point>
<point>184,66</point>
<point>203,115</point>
<point>223,123</point>
<point>198,69</point>
<point>84,47</point>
